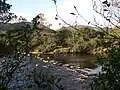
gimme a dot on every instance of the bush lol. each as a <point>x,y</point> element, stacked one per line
<point>110,79</point>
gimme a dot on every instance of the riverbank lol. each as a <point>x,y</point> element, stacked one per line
<point>69,50</point>
<point>71,79</point>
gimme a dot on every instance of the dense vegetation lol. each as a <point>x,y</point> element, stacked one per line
<point>65,40</point>
<point>86,40</point>
<point>110,78</point>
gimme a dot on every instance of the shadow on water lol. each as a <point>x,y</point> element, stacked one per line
<point>76,60</point>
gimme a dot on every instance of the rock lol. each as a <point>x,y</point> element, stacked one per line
<point>71,79</point>
<point>45,66</point>
<point>36,65</point>
<point>66,65</point>
<point>82,76</point>
<point>71,67</point>
<point>55,63</point>
<point>96,71</point>
<point>87,69</point>
<point>78,67</point>
<point>82,71</point>
<point>60,64</point>
<point>41,59</point>
<point>48,57</point>
<point>52,61</point>
<point>46,61</point>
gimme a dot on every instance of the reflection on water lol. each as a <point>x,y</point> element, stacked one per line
<point>76,60</point>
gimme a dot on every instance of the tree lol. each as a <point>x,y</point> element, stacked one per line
<point>14,43</point>
<point>5,14</point>
<point>40,21</point>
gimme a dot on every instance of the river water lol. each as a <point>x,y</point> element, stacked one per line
<point>75,60</point>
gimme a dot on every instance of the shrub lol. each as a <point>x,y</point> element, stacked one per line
<point>110,79</point>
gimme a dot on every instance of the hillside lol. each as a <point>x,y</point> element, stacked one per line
<point>12,26</point>
<point>78,27</point>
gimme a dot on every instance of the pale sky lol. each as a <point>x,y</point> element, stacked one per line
<point>30,8</point>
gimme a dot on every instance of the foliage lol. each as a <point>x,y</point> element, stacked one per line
<point>5,14</point>
<point>17,40</point>
<point>110,79</point>
<point>84,40</point>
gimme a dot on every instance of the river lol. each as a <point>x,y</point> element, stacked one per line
<point>72,79</point>
<point>75,60</point>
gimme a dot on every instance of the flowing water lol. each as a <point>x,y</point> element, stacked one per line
<point>75,60</point>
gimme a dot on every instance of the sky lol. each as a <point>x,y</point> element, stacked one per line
<point>30,8</point>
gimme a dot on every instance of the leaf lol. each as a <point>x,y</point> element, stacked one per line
<point>108,20</point>
<point>37,16</point>
<point>56,18</point>
<point>15,16</point>
<point>105,2</point>
<point>108,4</point>
<point>75,7</point>
<point>105,10</point>
<point>59,23</point>
<point>88,22</point>
<point>73,13</point>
